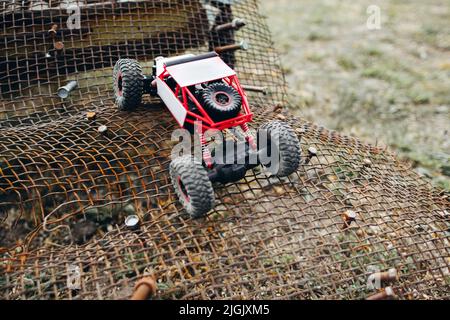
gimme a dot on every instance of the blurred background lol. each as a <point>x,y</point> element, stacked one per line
<point>387,86</point>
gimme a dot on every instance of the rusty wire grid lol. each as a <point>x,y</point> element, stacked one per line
<point>350,211</point>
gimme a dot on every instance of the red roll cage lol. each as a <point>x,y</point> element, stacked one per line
<point>207,123</point>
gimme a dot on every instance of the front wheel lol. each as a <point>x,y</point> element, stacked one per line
<point>283,148</point>
<point>192,185</point>
<point>128,82</point>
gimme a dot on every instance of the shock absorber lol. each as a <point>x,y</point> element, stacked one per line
<point>206,154</point>
<point>248,136</point>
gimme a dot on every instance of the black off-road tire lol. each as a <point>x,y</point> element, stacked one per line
<point>221,101</point>
<point>192,185</point>
<point>288,147</point>
<point>128,82</point>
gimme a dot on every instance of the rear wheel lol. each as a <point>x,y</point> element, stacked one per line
<point>192,185</point>
<point>128,84</point>
<point>285,159</point>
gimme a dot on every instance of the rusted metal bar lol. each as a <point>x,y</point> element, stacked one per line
<point>384,294</point>
<point>312,152</point>
<point>91,115</point>
<point>64,91</point>
<point>144,288</point>
<point>232,47</point>
<point>251,88</point>
<point>348,216</point>
<point>52,31</point>
<point>58,45</point>
<point>384,277</point>
<point>132,222</point>
<point>236,24</point>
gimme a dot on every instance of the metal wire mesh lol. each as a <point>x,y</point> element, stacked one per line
<point>65,188</point>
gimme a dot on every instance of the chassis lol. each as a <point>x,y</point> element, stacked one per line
<point>203,93</point>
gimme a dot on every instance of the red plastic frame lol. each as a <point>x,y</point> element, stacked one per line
<point>207,123</point>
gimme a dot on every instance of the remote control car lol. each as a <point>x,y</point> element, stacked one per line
<point>202,89</point>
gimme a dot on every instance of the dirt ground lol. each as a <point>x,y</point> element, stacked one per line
<point>387,86</point>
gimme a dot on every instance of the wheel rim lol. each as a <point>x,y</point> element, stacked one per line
<point>222,98</point>
<point>119,84</point>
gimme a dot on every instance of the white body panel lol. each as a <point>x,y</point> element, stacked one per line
<point>199,71</point>
<point>161,60</point>
<point>171,101</point>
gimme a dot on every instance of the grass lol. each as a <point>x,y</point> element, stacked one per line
<point>346,63</point>
<point>387,86</point>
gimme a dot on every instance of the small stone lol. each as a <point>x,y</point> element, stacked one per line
<point>102,129</point>
<point>367,162</point>
<point>279,190</point>
<point>91,115</point>
<point>312,152</point>
<point>129,209</point>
